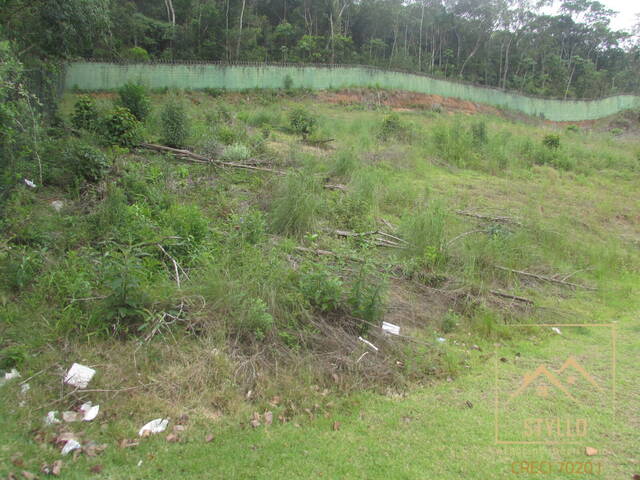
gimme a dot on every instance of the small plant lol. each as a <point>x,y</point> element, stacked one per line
<point>287,83</point>
<point>134,96</point>
<point>425,232</point>
<point>551,141</point>
<point>86,162</point>
<point>85,114</point>
<point>175,123</point>
<point>365,300</point>
<point>616,132</point>
<point>322,290</point>
<point>297,204</point>
<point>573,128</point>
<point>479,133</point>
<point>251,227</point>
<point>236,153</point>
<point>392,127</point>
<point>215,92</point>
<point>120,127</point>
<point>256,321</point>
<point>302,122</point>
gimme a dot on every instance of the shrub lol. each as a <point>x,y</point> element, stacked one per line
<point>551,141</point>
<point>302,122</point>
<point>215,92</point>
<point>297,204</point>
<point>365,300</point>
<point>287,83</point>
<point>135,98</point>
<point>454,144</point>
<point>392,127</point>
<point>175,123</point>
<point>250,227</point>
<point>85,114</point>
<point>120,127</point>
<point>255,319</point>
<point>136,54</point>
<point>236,153</point>
<point>321,289</point>
<point>479,133</point>
<point>87,162</point>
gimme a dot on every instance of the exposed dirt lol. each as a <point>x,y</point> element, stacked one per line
<point>403,100</point>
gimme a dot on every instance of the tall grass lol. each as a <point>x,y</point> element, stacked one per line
<point>296,207</point>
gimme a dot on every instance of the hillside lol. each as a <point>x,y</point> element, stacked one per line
<point>215,286</point>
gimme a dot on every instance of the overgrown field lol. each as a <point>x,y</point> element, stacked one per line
<point>213,290</point>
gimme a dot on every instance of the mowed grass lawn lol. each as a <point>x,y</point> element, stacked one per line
<point>578,207</point>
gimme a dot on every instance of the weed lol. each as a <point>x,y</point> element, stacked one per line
<point>175,123</point>
<point>424,230</point>
<point>551,141</point>
<point>236,153</point>
<point>393,127</point>
<point>297,204</point>
<point>479,133</point>
<point>321,289</point>
<point>85,114</point>
<point>120,127</point>
<point>302,122</point>
<point>135,98</point>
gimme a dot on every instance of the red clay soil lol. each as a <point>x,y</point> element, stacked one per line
<point>403,100</point>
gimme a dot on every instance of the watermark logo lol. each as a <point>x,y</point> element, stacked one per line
<point>564,398</point>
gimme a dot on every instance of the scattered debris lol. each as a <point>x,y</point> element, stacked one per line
<point>57,205</point>
<point>255,420</point>
<point>209,438</point>
<point>268,418</point>
<point>51,419</point>
<point>126,443</point>
<point>590,451</point>
<point>158,425</point>
<point>28,475</point>
<point>497,219</point>
<point>390,328</point>
<point>96,468</point>
<point>24,388</point>
<point>476,347</point>
<point>336,426</point>
<point>369,344</point>
<point>79,376</point>
<point>13,374</point>
<point>70,446</point>
<point>92,449</point>
<point>71,416</point>
<point>557,330</point>
<point>29,183</point>
<point>545,279</point>
<point>503,360</point>
<point>468,404</point>
<point>511,297</point>
<point>54,469</point>
<point>441,339</point>
<point>89,411</point>
<point>173,438</point>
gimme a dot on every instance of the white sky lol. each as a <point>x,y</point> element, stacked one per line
<point>628,9</point>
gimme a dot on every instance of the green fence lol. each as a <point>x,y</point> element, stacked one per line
<point>108,76</point>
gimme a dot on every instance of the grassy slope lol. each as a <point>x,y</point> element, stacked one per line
<point>430,433</point>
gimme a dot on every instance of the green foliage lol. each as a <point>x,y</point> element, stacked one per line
<point>551,141</point>
<point>287,83</point>
<point>320,288</point>
<point>136,54</point>
<point>175,123</point>
<point>20,267</point>
<point>424,229</point>
<point>366,299</point>
<point>393,128</point>
<point>250,227</point>
<point>296,205</point>
<point>236,153</point>
<point>215,92</point>
<point>479,133</point>
<point>454,144</point>
<point>302,122</point>
<point>85,114</point>
<point>256,319</point>
<point>135,98</point>
<point>120,127</point>
<point>76,163</point>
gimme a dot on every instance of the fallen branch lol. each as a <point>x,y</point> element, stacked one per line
<point>186,154</point>
<point>327,253</point>
<point>176,265</point>
<point>382,242</point>
<point>498,219</point>
<point>462,235</point>
<point>512,297</point>
<point>544,279</point>
<point>336,186</point>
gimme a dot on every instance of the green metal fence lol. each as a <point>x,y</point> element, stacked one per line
<point>109,76</point>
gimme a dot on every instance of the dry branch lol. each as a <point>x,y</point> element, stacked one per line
<point>194,157</point>
<point>544,279</point>
<point>512,297</point>
<point>462,235</point>
<point>498,219</point>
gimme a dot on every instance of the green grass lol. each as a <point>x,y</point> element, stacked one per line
<point>258,315</point>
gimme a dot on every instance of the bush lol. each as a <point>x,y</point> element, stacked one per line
<point>302,122</point>
<point>215,92</point>
<point>120,127</point>
<point>87,162</point>
<point>85,114</point>
<point>255,319</point>
<point>297,204</point>
<point>236,153</point>
<point>136,54</point>
<point>392,127</point>
<point>322,290</point>
<point>175,123</point>
<point>551,141</point>
<point>135,98</point>
<point>479,133</point>
<point>287,83</point>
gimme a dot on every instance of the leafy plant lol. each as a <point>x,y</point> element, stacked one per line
<point>120,127</point>
<point>393,127</point>
<point>479,133</point>
<point>85,114</point>
<point>321,289</point>
<point>365,299</point>
<point>134,96</point>
<point>551,141</point>
<point>175,123</point>
<point>302,122</point>
<point>236,153</point>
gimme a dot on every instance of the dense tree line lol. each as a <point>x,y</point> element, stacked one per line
<point>503,43</point>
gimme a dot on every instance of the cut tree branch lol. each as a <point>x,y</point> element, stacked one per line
<point>498,219</point>
<point>544,279</point>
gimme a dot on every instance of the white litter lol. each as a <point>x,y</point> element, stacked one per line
<point>70,446</point>
<point>71,416</point>
<point>368,343</point>
<point>557,330</point>
<point>79,375</point>
<point>24,388</point>
<point>89,411</point>
<point>29,183</point>
<point>158,425</point>
<point>51,419</point>
<point>57,205</point>
<point>390,328</point>
<point>13,374</point>
<point>441,339</point>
